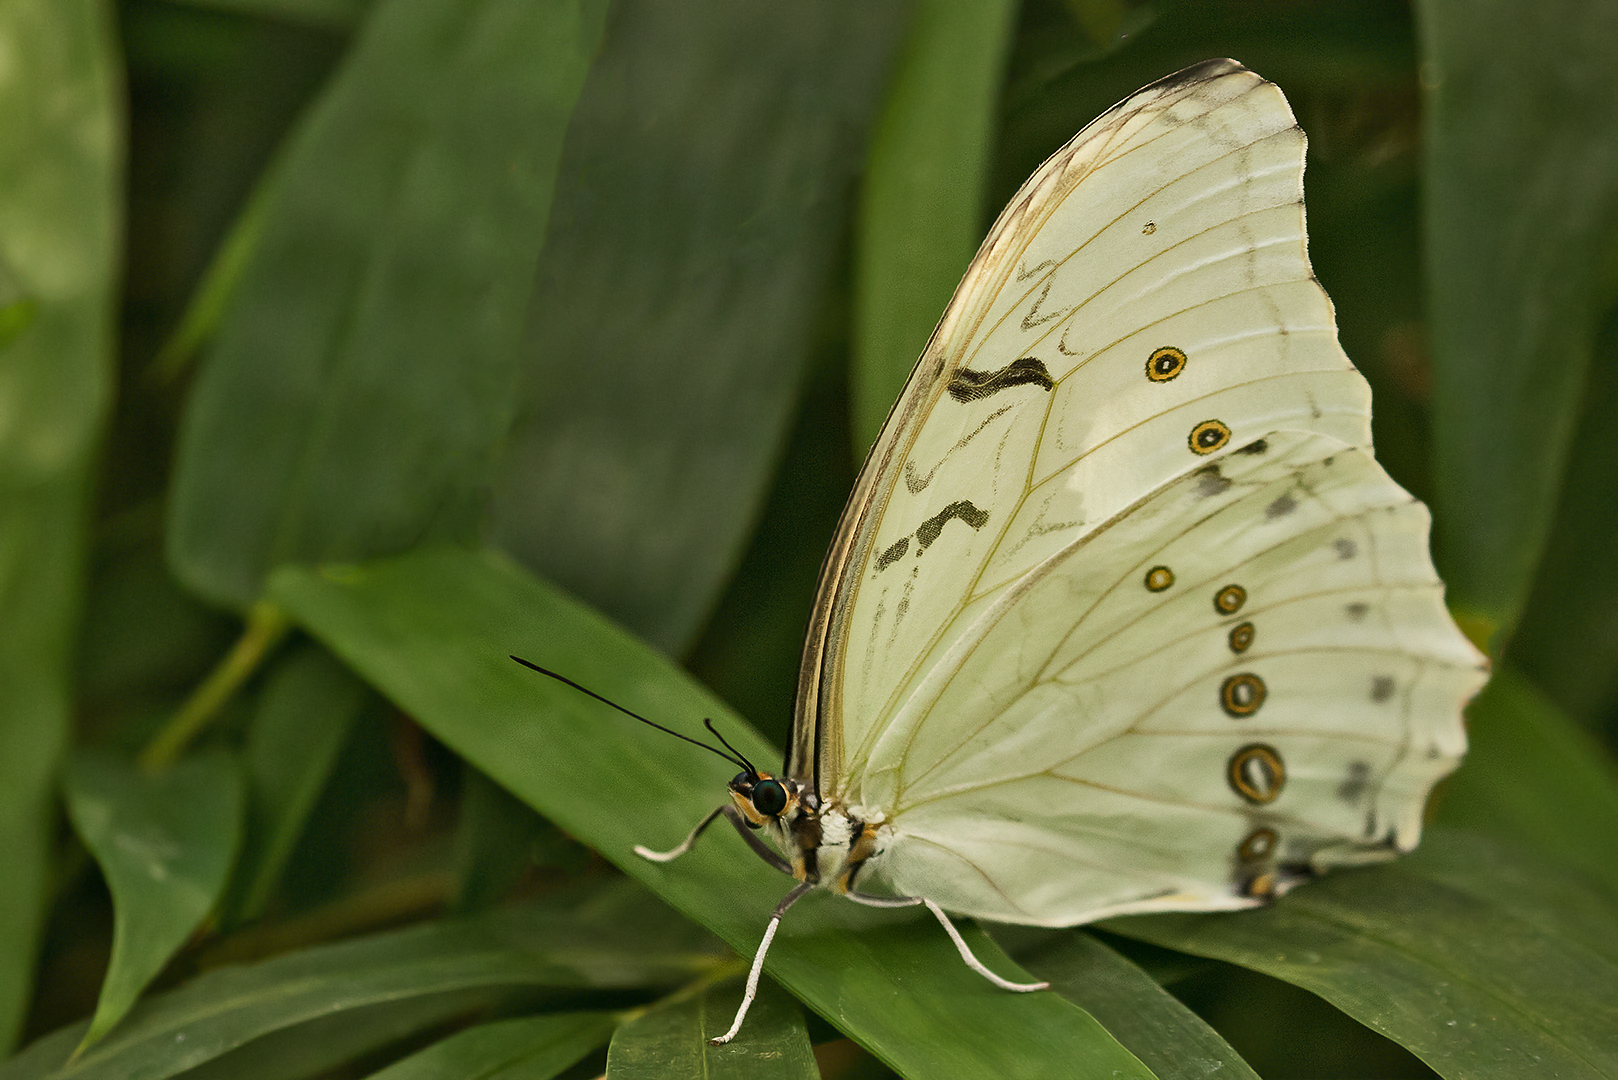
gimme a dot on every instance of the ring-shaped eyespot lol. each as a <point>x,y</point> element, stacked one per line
<point>1229,600</point>
<point>1159,578</point>
<point>769,797</point>
<point>1241,637</point>
<point>1241,695</point>
<point>1165,363</point>
<point>1259,844</point>
<point>1208,436</point>
<point>1256,774</point>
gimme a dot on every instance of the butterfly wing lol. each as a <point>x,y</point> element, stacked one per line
<point>1138,376</point>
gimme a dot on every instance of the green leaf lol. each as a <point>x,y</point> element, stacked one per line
<point>699,218</point>
<point>315,1048</point>
<point>304,713</point>
<point>1174,1042</point>
<point>529,1048</point>
<point>921,206</point>
<point>1533,778</point>
<point>1567,641</point>
<point>363,377</point>
<point>61,160</point>
<point>165,844</point>
<point>432,631</point>
<point>616,937</point>
<point>1520,222</point>
<point>1480,963</point>
<point>671,1041</point>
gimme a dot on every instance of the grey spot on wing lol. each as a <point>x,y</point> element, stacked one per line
<point>1346,548</point>
<point>1382,688</point>
<point>1357,610</point>
<point>1257,446</point>
<point>934,525</point>
<point>1370,823</point>
<point>893,554</point>
<point>1355,783</point>
<point>1210,481</point>
<point>1281,507</point>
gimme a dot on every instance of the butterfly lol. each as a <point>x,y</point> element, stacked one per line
<point>1122,614</point>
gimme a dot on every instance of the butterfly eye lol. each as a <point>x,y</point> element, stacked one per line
<point>769,797</point>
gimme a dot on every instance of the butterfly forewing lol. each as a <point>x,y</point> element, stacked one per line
<point>1138,373</point>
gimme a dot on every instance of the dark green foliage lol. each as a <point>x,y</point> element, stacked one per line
<point>446,326</point>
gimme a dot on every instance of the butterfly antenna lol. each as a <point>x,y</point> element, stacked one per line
<point>708,723</point>
<point>737,759</point>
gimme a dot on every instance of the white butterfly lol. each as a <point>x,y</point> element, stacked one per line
<point>1122,614</point>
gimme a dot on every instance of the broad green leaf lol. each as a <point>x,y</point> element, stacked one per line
<point>1174,1042</point>
<point>315,1048</point>
<point>1478,963</point>
<point>1520,223</point>
<point>528,1048</point>
<point>670,1041</point>
<point>432,631</point>
<point>616,937</point>
<point>165,844</point>
<point>1533,778</point>
<point>358,387</point>
<point>1567,641</point>
<point>699,217</point>
<point>304,713</point>
<point>921,204</point>
<point>61,161</point>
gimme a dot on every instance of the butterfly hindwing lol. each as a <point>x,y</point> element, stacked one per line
<point>1086,737</point>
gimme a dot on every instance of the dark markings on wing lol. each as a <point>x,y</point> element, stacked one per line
<point>1346,548</point>
<point>1257,446</point>
<point>930,530</point>
<point>893,554</point>
<point>966,385</point>
<point>1382,688</point>
<point>1356,782</point>
<point>934,525</point>
<point>1357,610</point>
<point>1210,481</point>
<point>1281,507</point>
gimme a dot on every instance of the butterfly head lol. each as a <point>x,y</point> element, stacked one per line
<point>763,798</point>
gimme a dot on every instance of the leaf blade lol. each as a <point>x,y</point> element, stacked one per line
<point>165,844</point>
<point>61,153</point>
<point>363,376</point>
<point>432,630</point>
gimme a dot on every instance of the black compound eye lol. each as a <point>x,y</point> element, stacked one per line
<point>769,797</point>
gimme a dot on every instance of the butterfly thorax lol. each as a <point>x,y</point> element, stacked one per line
<point>823,842</point>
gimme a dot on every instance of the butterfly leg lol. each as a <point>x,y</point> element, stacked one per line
<point>973,962</point>
<point>758,960</point>
<point>734,816</point>
<point>954,935</point>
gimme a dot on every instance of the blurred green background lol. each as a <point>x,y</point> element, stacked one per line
<point>623,290</point>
